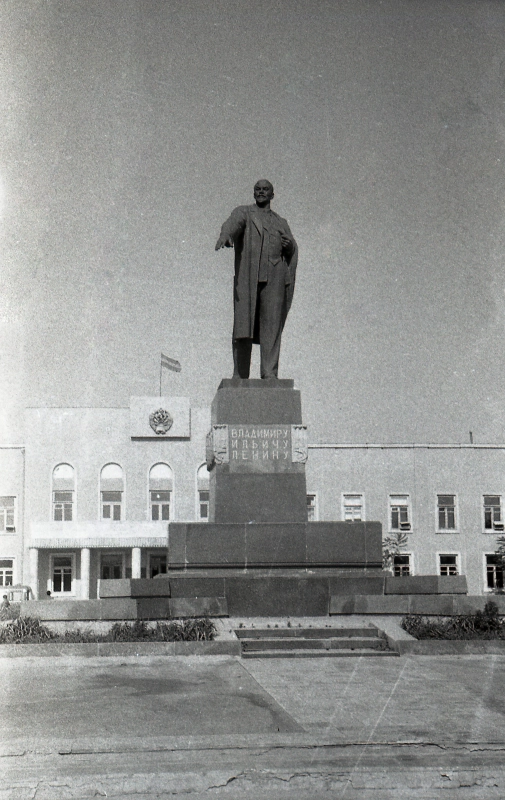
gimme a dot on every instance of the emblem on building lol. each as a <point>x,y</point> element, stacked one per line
<point>217,446</point>
<point>160,421</point>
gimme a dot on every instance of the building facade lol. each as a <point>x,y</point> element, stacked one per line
<point>12,515</point>
<point>444,501</point>
<point>89,494</point>
<point>103,485</point>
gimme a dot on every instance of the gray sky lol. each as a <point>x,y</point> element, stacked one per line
<point>131,128</point>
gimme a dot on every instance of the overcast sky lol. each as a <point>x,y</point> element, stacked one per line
<point>131,128</point>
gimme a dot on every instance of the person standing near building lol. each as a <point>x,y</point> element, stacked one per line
<point>266,256</point>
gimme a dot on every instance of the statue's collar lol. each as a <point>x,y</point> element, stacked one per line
<point>261,219</point>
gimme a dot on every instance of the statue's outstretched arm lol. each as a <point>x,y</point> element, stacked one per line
<point>233,226</point>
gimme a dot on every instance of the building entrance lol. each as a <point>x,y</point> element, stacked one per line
<point>157,565</point>
<point>112,566</point>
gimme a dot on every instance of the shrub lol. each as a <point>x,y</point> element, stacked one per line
<point>26,630</point>
<point>188,630</point>
<point>77,636</point>
<point>485,624</point>
<point>137,631</point>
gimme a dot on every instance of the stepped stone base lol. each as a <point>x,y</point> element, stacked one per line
<point>201,545</point>
<point>267,593</point>
<point>252,596</point>
<point>312,642</point>
<point>114,608</point>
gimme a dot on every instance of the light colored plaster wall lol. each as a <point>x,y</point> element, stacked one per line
<point>11,485</point>
<point>422,473</point>
<point>87,439</point>
<point>90,438</point>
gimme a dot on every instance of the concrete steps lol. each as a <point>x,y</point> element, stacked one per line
<point>312,642</point>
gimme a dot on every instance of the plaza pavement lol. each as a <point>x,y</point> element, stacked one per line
<point>219,727</point>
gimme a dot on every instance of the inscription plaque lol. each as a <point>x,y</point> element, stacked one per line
<point>260,448</point>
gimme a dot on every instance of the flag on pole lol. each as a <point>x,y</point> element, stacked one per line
<point>170,363</point>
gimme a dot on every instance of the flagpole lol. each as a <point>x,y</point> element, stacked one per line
<point>161,370</point>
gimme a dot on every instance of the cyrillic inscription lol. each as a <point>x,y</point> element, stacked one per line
<point>264,447</point>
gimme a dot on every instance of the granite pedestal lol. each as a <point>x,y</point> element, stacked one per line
<point>258,551</point>
<point>258,555</point>
<point>257,467</point>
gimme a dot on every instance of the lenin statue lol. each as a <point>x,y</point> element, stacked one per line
<point>265,269</point>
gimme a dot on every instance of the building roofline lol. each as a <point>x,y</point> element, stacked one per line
<point>66,408</point>
<point>421,446</point>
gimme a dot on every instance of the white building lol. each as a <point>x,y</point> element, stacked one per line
<point>89,493</point>
<point>446,498</point>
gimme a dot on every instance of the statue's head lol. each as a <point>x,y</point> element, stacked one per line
<point>263,191</point>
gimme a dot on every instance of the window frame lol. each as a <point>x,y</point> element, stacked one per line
<point>488,589</point>
<point>160,504</point>
<point>112,504</point>
<point>171,489</point>
<point>200,487</point>
<point>410,556</point>
<point>343,505</point>
<point>8,530</point>
<point>457,556</point>
<point>105,488</point>
<point>493,529</point>
<point>112,552</point>
<point>72,557</point>
<point>12,569</point>
<point>152,554</point>
<point>73,490</point>
<point>408,526</point>
<point>201,502</point>
<point>456,512</point>
<point>314,506</point>
<point>63,504</point>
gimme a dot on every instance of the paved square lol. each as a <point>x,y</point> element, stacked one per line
<point>215,727</point>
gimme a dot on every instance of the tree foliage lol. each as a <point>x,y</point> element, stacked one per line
<point>393,545</point>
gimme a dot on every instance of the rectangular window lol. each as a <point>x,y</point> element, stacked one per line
<point>312,508</point>
<point>401,566</point>
<point>160,505</point>
<point>448,564</point>
<point>6,571</point>
<point>203,504</point>
<point>111,505</point>
<point>62,506</point>
<point>353,508</point>
<point>494,573</point>
<point>62,574</point>
<point>111,566</point>
<point>492,513</point>
<point>7,515</point>
<point>446,510</point>
<point>157,565</point>
<point>399,512</point>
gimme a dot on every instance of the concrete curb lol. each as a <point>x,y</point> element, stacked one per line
<point>406,645</point>
<point>451,647</point>
<point>215,648</point>
<point>427,647</point>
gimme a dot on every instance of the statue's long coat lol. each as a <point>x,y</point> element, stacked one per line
<point>245,228</point>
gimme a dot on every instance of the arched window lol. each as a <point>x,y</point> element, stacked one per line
<point>63,493</point>
<point>112,492</point>
<point>202,488</point>
<point>161,485</point>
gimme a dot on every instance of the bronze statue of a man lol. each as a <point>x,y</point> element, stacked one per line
<point>266,256</point>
